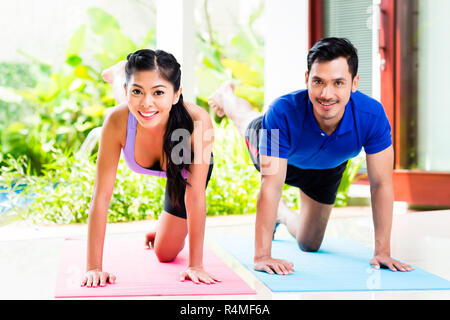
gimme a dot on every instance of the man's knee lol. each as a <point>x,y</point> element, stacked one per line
<point>308,246</point>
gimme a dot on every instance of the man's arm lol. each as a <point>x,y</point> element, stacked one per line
<point>379,169</point>
<point>273,173</point>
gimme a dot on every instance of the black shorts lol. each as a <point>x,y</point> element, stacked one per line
<point>180,211</point>
<point>319,184</point>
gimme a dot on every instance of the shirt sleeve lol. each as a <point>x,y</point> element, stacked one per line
<point>379,134</point>
<point>274,138</point>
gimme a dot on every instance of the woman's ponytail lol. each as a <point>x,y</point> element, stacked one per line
<point>177,159</point>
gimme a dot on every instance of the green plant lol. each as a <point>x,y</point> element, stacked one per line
<point>13,180</point>
<point>66,101</point>
<point>13,110</point>
<point>16,75</point>
<point>348,177</point>
<point>241,60</point>
<point>234,183</point>
<point>63,193</point>
<point>71,100</point>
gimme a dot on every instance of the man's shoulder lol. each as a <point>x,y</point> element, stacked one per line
<point>365,105</point>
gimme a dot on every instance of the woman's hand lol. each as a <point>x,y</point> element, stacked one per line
<point>197,275</point>
<point>95,277</point>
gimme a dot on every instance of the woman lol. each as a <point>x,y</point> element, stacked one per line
<point>149,115</point>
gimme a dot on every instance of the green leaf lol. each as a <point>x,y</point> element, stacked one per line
<point>76,42</point>
<point>95,110</point>
<point>48,90</point>
<point>101,21</point>
<point>211,56</point>
<point>254,95</point>
<point>210,80</point>
<point>256,14</point>
<point>74,60</point>
<point>245,43</point>
<point>82,72</point>
<point>77,85</point>
<point>244,72</point>
<point>84,126</point>
<point>256,61</point>
<point>15,127</point>
<point>117,44</point>
<point>149,40</point>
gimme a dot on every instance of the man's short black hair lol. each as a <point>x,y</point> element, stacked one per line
<point>328,49</point>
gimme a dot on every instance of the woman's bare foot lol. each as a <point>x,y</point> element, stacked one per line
<point>221,99</point>
<point>150,240</point>
<point>117,70</point>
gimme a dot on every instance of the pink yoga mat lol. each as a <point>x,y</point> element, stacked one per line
<point>139,273</point>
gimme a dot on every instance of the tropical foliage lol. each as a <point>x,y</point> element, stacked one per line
<point>57,106</point>
<point>46,113</point>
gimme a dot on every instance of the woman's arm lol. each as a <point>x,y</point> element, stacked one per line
<point>107,162</point>
<point>195,196</point>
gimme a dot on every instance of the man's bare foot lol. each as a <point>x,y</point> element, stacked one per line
<point>150,240</point>
<point>220,99</point>
<point>117,70</point>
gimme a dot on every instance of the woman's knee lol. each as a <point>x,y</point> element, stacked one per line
<point>165,255</point>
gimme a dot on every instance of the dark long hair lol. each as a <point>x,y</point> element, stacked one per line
<point>169,69</point>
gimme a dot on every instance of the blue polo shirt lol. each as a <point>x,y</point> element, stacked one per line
<point>300,140</point>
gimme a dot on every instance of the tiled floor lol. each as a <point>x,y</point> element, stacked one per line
<point>30,254</point>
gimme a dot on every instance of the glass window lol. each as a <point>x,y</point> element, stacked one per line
<point>352,19</point>
<point>433,145</point>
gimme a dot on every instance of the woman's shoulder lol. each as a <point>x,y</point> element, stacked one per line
<point>116,122</point>
<point>117,116</point>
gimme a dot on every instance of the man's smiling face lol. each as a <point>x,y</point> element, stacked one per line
<point>329,86</point>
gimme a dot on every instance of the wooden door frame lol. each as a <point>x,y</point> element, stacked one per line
<point>315,21</point>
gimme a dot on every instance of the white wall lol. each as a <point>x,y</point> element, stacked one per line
<point>286,47</point>
<point>175,33</point>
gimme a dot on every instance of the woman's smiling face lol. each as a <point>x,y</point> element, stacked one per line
<point>150,98</point>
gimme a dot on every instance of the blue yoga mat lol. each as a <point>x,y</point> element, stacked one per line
<point>340,265</point>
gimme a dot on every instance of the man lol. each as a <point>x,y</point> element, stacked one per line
<point>305,139</point>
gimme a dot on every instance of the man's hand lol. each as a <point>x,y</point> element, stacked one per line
<point>272,266</point>
<point>385,261</point>
<point>273,174</point>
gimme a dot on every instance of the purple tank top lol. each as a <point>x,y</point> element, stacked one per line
<point>128,151</point>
